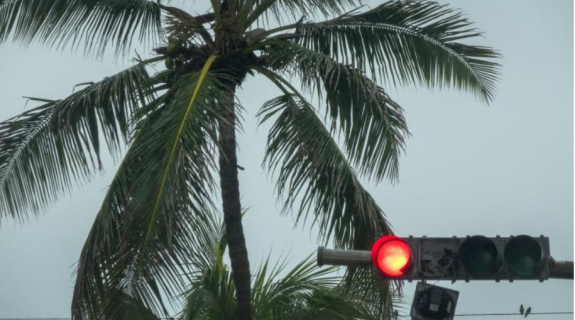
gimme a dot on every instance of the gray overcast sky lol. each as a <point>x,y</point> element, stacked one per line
<point>503,169</point>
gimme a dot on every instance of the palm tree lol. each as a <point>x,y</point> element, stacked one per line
<point>174,122</point>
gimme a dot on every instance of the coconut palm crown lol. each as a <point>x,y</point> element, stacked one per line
<point>176,121</point>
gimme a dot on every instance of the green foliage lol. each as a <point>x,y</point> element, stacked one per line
<point>278,10</point>
<point>44,150</point>
<point>304,292</point>
<point>145,232</point>
<point>95,24</point>
<point>408,42</point>
<point>311,164</point>
<point>371,123</point>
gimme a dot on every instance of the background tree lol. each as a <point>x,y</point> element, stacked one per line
<point>176,120</point>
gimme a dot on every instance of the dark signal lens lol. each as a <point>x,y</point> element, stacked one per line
<point>480,256</point>
<point>391,255</point>
<point>523,255</point>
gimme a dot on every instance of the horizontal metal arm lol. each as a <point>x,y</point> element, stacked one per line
<point>560,269</point>
<point>336,257</point>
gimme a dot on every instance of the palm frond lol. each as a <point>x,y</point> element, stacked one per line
<point>45,150</point>
<point>408,42</point>
<point>312,167</point>
<point>94,24</point>
<point>273,295</point>
<point>143,238</point>
<point>328,304</point>
<point>210,237</point>
<point>371,123</point>
<point>305,292</point>
<point>211,294</point>
<point>381,296</point>
<point>264,10</point>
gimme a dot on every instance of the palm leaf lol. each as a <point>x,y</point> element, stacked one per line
<point>143,238</point>
<point>371,123</point>
<point>253,10</point>
<point>95,24</point>
<point>305,292</point>
<point>280,298</point>
<point>44,150</point>
<point>211,294</point>
<point>330,303</point>
<point>408,42</point>
<point>381,296</point>
<point>172,154</point>
<point>312,166</point>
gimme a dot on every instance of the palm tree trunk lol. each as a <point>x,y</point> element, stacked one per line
<point>232,207</point>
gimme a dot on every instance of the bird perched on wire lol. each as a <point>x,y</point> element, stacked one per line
<point>527,312</point>
<point>521,310</point>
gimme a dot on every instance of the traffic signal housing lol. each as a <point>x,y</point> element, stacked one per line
<point>462,258</point>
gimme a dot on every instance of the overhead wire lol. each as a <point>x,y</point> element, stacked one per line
<point>509,314</point>
<point>498,314</point>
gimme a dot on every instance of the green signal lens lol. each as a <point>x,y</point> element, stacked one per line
<point>479,256</point>
<point>523,256</point>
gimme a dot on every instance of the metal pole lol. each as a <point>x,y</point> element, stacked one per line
<point>343,257</point>
<point>560,269</point>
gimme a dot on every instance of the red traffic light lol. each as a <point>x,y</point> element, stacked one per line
<point>391,255</point>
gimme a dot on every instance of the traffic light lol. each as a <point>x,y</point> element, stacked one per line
<point>469,258</point>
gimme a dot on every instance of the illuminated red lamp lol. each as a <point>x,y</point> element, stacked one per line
<point>392,256</point>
